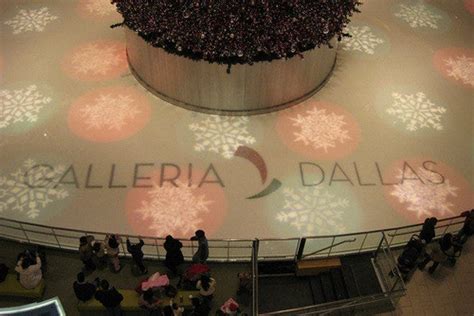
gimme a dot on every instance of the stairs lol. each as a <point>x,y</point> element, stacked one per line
<point>348,278</point>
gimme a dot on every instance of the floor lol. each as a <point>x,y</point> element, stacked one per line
<point>386,142</point>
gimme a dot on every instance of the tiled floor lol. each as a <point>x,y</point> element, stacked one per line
<point>449,291</point>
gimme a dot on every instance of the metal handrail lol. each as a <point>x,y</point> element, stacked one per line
<point>228,243</point>
<point>344,302</point>
<point>437,227</point>
<point>330,247</point>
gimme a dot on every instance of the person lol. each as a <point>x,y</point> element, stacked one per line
<point>85,252</point>
<point>100,258</point>
<point>29,271</point>
<point>110,298</point>
<point>437,252</point>
<point>137,254</point>
<point>467,229</point>
<point>149,302</point>
<point>202,253</point>
<point>428,230</point>
<point>174,256</point>
<point>84,290</point>
<point>176,309</point>
<point>199,309</point>
<point>206,286</point>
<point>112,243</point>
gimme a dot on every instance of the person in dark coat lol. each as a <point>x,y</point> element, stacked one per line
<point>137,254</point>
<point>202,253</point>
<point>110,298</point>
<point>174,256</point>
<point>84,290</point>
<point>467,229</point>
<point>85,252</point>
<point>428,230</point>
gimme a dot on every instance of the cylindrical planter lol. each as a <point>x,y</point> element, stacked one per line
<point>248,89</point>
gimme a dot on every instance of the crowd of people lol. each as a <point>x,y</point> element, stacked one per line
<point>155,289</point>
<point>424,248</point>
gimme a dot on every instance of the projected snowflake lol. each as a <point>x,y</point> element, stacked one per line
<point>21,105</point>
<point>100,7</point>
<point>313,211</point>
<point>427,198</point>
<point>31,20</point>
<point>418,15</point>
<point>416,111</point>
<point>176,210</point>
<point>96,59</point>
<point>320,129</point>
<point>221,134</point>
<point>362,40</point>
<point>461,68</point>
<point>109,112</point>
<point>31,188</point>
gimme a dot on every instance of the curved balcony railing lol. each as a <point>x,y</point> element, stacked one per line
<point>232,250</point>
<point>256,250</point>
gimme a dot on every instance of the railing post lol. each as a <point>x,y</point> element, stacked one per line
<point>376,253</point>
<point>24,232</point>
<point>255,246</point>
<point>393,236</point>
<point>302,243</point>
<point>332,244</point>
<point>56,237</point>
<point>228,250</point>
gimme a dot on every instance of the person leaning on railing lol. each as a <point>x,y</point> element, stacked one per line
<point>112,243</point>
<point>437,252</point>
<point>202,253</point>
<point>468,228</point>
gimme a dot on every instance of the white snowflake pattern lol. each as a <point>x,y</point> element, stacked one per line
<point>461,68</point>
<point>31,188</point>
<point>109,111</point>
<point>221,134</point>
<point>313,211</point>
<point>100,7</point>
<point>173,209</point>
<point>417,111</point>
<point>97,59</point>
<point>418,15</point>
<point>362,39</point>
<point>21,105</point>
<point>31,20</point>
<point>427,198</point>
<point>320,129</point>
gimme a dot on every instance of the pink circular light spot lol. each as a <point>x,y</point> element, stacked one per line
<point>318,130</point>
<point>456,64</point>
<point>179,210</point>
<point>469,5</point>
<point>423,188</point>
<point>109,114</point>
<point>95,61</point>
<point>97,9</point>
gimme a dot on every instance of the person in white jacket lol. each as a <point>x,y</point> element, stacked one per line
<point>30,272</point>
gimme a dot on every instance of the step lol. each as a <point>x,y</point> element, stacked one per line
<point>350,282</point>
<point>317,290</point>
<point>338,283</point>
<point>327,287</point>
<point>315,266</point>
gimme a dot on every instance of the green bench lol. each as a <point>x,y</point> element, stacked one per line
<point>130,301</point>
<point>12,287</point>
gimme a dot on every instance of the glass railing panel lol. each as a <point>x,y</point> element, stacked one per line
<point>241,250</point>
<point>277,249</point>
<point>317,247</point>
